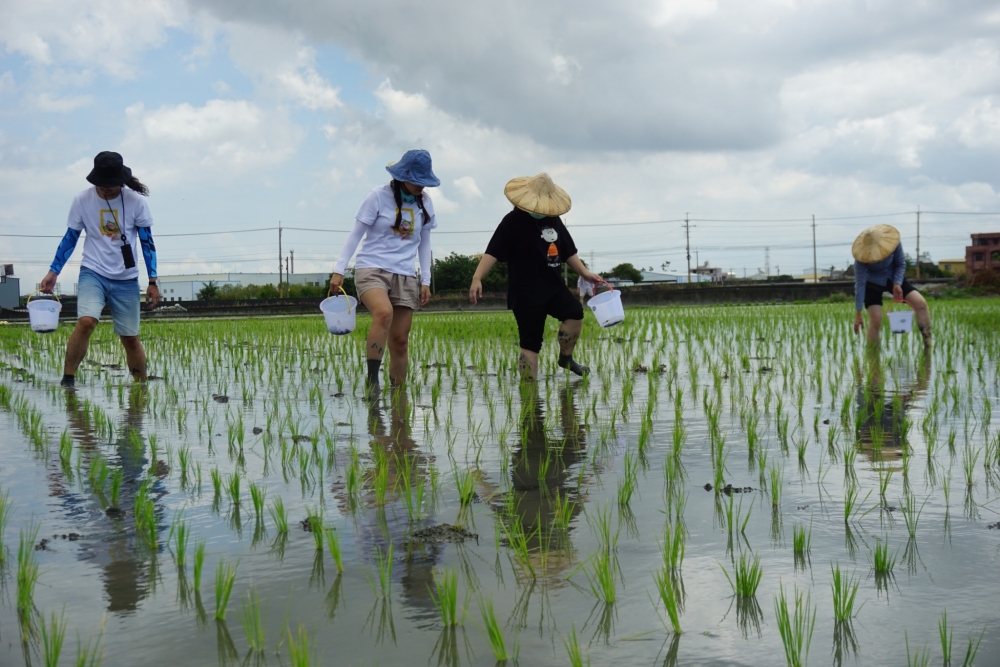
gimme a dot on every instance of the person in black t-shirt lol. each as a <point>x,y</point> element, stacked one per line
<point>535,243</point>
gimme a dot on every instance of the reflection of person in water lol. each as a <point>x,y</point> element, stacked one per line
<point>108,543</point>
<point>540,472</point>
<point>882,412</point>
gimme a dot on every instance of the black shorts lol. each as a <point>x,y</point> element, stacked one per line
<point>531,318</point>
<point>873,292</point>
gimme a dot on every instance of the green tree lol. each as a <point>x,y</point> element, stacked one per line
<point>209,291</point>
<point>625,271</point>
<point>454,273</point>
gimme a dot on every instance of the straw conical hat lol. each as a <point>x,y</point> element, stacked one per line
<point>537,194</point>
<point>875,243</point>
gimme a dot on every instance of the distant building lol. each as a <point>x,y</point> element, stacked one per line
<point>10,292</point>
<point>713,273</point>
<point>654,277</point>
<point>983,254</point>
<point>186,287</point>
<point>955,267</point>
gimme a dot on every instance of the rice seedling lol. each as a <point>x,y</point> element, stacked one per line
<point>444,595</point>
<point>911,514</point>
<point>253,621</point>
<point>601,570</point>
<point>673,547</point>
<point>972,649</point>
<point>670,596</point>
<point>381,583</point>
<point>746,576</point>
<point>225,577</point>
<point>199,563</point>
<point>465,484</point>
<point>851,504</point>
<point>629,481</point>
<point>98,473</point>
<point>801,539</point>
<point>494,632</point>
<point>919,657</point>
<point>6,509</point>
<point>562,509</point>
<point>89,653</point>
<point>258,494</point>
<point>882,561</point>
<point>180,533</point>
<point>969,459</point>
<point>774,487</point>
<point>299,654</point>
<point>216,483</point>
<point>573,651</point>
<point>845,590</point>
<point>279,515</point>
<point>333,544</point>
<point>947,637</point>
<point>601,524</point>
<point>796,623</point>
<point>52,635</point>
<point>27,568</point>
<point>65,448</point>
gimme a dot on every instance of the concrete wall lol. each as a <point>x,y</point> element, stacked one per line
<point>687,295</point>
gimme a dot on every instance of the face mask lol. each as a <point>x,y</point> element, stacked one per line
<point>536,216</point>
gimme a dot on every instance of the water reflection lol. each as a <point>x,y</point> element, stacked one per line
<point>108,542</point>
<point>882,423</point>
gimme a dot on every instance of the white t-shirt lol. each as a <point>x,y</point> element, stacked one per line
<point>384,247</point>
<point>102,248</point>
<point>585,286</point>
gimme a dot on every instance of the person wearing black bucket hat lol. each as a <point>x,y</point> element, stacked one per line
<point>115,216</point>
<point>395,221</point>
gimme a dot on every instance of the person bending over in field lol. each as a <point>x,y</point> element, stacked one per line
<point>396,222</point>
<point>879,265</point>
<point>115,216</point>
<point>534,243</point>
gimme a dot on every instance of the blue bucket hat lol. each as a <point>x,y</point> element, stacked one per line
<point>414,167</point>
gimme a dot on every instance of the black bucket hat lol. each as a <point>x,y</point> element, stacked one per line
<point>109,170</point>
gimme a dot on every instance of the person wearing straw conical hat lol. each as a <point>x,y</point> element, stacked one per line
<point>395,220</point>
<point>535,243</point>
<point>879,266</point>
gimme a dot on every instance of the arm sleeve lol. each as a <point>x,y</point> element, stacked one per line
<point>350,245</point>
<point>148,250</point>
<point>65,250</point>
<point>424,253</point>
<point>860,279</point>
<point>899,265</point>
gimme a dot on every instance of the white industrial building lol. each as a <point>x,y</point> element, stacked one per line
<point>186,287</point>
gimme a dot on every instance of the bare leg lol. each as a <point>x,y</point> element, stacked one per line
<point>527,364</point>
<point>569,333</point>
<point>399,342</point>
<point>135,355</point>
<point>922,314</point>
<point>377,303</point>
<point>79,341</point>
<point>874,324</point>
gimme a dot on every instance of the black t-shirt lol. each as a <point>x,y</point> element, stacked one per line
<point>534,251</point>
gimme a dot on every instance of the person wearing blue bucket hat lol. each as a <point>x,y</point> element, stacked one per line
<point>534,243</point>
<point>115,216</point>
<point>394,222</point>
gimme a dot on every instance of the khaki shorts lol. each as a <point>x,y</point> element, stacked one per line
<point>403,291</point>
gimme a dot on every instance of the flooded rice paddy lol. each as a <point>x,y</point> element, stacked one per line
<point>731,486</point>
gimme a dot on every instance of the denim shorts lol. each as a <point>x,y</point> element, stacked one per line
<point>94,291</point>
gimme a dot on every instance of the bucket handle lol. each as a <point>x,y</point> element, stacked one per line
<point>894,301</point>
<point>329,293</point>
<point>605,282</point>
<point>38,291</point>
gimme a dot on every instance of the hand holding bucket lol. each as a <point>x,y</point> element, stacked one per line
<point>44,314</point>
<point>340,312</point>
<point>607,307</point>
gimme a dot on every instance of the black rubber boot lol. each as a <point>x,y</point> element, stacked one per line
<point>68,381</point>
<point>567,361</point>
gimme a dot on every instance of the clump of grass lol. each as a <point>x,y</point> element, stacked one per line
<point>919,657</point>
<point>572,644</point>
<point>180,533</point>
<point>199,563</point>
<point>27,568</point>
<point>52,636</point>
<point>601,571</point>
<point>257,496</point>
<point>562,508</point>
<point>465,484</point>
<point>252,620</point>
<point>225,577</point>
<point>233,489</point>
<point>279,515</point>
<point>673,547</point>
<point>494,632</point>
<point>845,590</point>
<point>882,561</point>
<point>117,479</point>
<point>445,597</point>
<point>851,504</point>
<point>298,648</point>
<point>630,479</point>
<point>746,577</point>
<point>774,486</point>
<point>801,539</point>
<point>796,623</point>
<point>911,514</point>
<point>333,544</point>
<point>670,596</point>
<point>315,521</point>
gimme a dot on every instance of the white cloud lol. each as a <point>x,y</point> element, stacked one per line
<point>7,85</point>
<point>50,103</point>
<point>466,185</point>
<point>979,127</point>
<point>224,138</point>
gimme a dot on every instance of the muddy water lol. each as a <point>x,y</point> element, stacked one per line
<point>558,445</point>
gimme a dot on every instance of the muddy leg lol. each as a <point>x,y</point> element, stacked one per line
<point>135,356</point>
<point>377,303</point>
<point>569,334</point>
<point>79,341</point>
<point>527,364</point>
<point>874,324</point>
<point>922,314</point>
<point>399,341</point>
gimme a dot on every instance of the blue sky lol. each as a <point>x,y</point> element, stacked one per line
<point>238,115</point>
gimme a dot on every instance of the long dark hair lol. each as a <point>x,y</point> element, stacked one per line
<point>134,183</point>
<point>397,194</point>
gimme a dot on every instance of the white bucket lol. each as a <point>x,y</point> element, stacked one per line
<point>901,322</point>
<point>44,314</point>
<point>340,312</point>
<point>608,309</point>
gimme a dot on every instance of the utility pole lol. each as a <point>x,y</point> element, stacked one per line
<point>918,241</point>
<point>767,262</point>
<point>293,261</point>
<point>687,236</point>
<point>279,258</point>
<point>815,271</point>
<point>286,272</point>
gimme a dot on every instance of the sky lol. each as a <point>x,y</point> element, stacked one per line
<point>745,118</point>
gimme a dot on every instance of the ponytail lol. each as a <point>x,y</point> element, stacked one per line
<point>397,194</point>
<point>134,183</point>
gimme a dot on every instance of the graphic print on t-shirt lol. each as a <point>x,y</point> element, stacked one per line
<point>405,230</point>
<point>550,236</point>
<point>109,223</point>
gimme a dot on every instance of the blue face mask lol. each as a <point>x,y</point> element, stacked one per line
<point>536,216</point>
<point>406,196</point>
